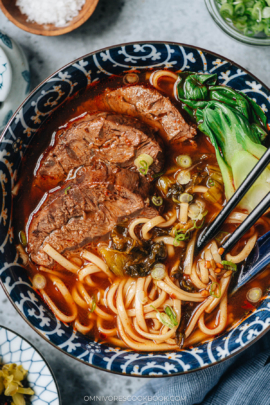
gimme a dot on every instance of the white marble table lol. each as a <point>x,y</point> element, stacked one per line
<point>117,21</point>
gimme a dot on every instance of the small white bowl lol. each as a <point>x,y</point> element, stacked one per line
<point>15,349</point>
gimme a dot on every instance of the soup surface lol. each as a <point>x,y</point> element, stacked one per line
<point>112,196</point>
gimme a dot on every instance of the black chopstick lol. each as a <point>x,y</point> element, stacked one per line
<point>246,224</point>
<point>211,231</point>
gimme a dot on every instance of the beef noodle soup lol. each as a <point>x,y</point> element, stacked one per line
<point>111,198</point>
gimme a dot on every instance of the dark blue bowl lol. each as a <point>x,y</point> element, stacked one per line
<point>20,131</point>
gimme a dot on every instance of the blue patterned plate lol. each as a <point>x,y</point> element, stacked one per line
<point>20,131</point>
<point>15,349</point>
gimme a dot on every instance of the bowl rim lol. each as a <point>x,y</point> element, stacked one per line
<point>232,32</point>
<point>42,357</point>
<point>39,86</point>
<point>57,31</point>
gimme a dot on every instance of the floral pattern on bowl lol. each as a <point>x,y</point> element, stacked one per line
<point>20,131</point>
<point>15,349</point>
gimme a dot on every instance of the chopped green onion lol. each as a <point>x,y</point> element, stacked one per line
<point>213,287</point>
<point>185,198</point>
<point>66,190</point>
<point>248,16</point>
<point>171,314</point>
<point>158,272</point>
<point>94,305</point>
<point>211,182</point>
<point>23,238</point>
<point>143,169</point>
<point>183,177</point>
<point>257,11</point>
<point>158,201</point>
<point>254,294</point>
<point>266,12</point>
<point>165,319</point>
<point>196,226</point>
<point>229,265</point>
<point>226,10</point>
<point>39,281</point>
<point>239,9</point>
<point>184,161</point>
<point>180,236</point>
<point>143,162</point>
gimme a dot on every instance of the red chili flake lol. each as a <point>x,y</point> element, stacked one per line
<point>172,296</point>
<point>102,336</point>
<point>247,305</point>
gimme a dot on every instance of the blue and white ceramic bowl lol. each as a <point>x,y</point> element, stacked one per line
<point>20,132</point>
<point>15,349</point>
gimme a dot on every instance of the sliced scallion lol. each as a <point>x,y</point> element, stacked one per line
<point>39,281</point>
<point>66,190</point>
<point>165,319</point>
<point>226,10</point>
<point>229,265</point>
<point>185,198</point>
<point>143,162</point>
<point>179,237</point>
<point>157,201</point>
<point>252,17</point>
<point>158,272</point>
<point>254,294</point>
<point>213,288</point>
<point>184,161</point>
<point>23,238</point>
<point>94,304</point>
<point>171,314</point>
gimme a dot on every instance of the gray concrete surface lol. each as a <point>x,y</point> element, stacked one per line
<point>113,22</point>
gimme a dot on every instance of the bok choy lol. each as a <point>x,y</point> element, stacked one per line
<point>236,126</point>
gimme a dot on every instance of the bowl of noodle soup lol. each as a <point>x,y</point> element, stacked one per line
<point>136,302</point>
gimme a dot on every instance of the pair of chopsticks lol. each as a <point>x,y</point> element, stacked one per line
<point>210,232</point>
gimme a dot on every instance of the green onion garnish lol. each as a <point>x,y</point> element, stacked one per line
<point>66,190</point>
<point>184,161</point>
<point>180,236</point>
<point>249,16</point>
<point>143,162</point>
<point>143,169</point>
<point>229,265</point>
<point>167,319</point>
<point>211,182</point>
<point>23,238</point>
<point>213,287</point>
<point>158,201</point>
<point>196,226</point>
<point>94,305</point>
<point>171,314</point>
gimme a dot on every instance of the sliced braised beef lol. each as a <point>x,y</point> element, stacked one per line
<point>99,171</point>
<point>76,216</point>
<point>109,137</point>
<point>151,107</point>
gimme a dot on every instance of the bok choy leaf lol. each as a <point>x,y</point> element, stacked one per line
<point>236,126</point>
